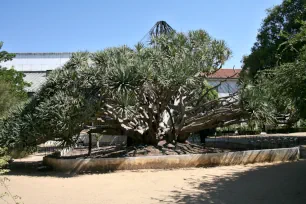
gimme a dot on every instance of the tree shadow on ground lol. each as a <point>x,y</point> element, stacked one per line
<point>31,166</point>
<point>23,168</point>
<point>280,183</point>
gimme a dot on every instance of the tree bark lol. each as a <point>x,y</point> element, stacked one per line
<point>205,133</point>
<point>150,138</point>
<point>89,143</point>
<point>203,136</point>
<point>98,143</point>
<point>182,137</point>
<point>170,137</point>
<point>136,138</point>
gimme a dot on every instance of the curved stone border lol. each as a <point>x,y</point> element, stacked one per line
<point>171,161</point>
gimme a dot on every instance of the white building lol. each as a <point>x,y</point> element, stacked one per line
<point>35,66</point>
<point>228,79</point>
<point>37,61</point>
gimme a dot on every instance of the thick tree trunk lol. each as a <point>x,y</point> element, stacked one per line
<point>98,144</point>
<point>89,143</point>
<point>135,138</point>
<point>170,137</point>
<point>206,132</point>
<point>150,138</point>
<point>182,137</point>
<point>203,136</point>
<point>131,141</point>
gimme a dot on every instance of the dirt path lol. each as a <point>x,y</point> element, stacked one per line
<point>260,183</point>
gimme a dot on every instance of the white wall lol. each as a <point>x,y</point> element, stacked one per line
<point>228,87</point>
<point>37,61</point>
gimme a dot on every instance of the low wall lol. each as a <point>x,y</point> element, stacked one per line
<point>303,151</point>
<point>249,142</point>
<point>171,161</point>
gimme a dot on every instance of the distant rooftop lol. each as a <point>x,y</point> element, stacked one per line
<point>226,73</point>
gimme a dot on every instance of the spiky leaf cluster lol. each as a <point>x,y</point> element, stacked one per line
<point>151,90</point>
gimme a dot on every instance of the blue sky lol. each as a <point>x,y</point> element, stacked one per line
<point>74,25</point>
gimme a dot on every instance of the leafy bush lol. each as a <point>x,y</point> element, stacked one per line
<point>243,129</point>
<point>4,160</point>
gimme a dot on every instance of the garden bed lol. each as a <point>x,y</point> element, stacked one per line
<point>78,165</point>
<point>138,151</point>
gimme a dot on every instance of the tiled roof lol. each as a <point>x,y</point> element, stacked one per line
<point>225,73</point>
<point>36,78</point>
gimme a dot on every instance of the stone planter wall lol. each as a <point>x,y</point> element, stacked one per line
<point>171,161</point>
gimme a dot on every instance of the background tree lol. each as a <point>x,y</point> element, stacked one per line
<point>11,93</point>
<point>283,22</point>
<point>282,89</point>
<point>7,98</point>
<point>4,55</point>
<point>12,85</point>
<point>15,80</point>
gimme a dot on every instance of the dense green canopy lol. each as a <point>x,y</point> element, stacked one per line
<point>281,90</point>
<point>152,92</point>
<point>283,22</point>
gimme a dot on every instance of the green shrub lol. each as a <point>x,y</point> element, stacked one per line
<point>4,160</point>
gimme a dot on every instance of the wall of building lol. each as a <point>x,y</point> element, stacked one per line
<point>37,61</point>
<point>228,87</point>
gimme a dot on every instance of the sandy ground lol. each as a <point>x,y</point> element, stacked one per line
<point>257,183</point>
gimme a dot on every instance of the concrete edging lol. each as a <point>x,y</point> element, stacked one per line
<point>172,161</point>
